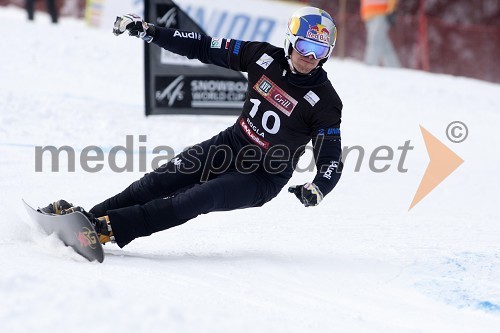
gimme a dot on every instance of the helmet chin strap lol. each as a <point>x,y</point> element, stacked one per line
<point>290,64</point>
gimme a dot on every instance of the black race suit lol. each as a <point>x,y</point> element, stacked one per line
<point>247,164</point>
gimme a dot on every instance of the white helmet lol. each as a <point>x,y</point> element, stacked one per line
<point>311,31</point>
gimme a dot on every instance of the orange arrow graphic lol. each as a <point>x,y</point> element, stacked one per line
<point>443,161</point>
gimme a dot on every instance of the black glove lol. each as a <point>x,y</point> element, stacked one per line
<point>135,26</point>
<point>391,18</point>
<point>309,194</point>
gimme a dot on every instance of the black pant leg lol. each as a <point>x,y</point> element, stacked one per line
<point>52,9</point>
<point>185,170</point>
<point>30,8</point>
<point>142,220</point>
<point>135,193</point>
<point>229,191</point>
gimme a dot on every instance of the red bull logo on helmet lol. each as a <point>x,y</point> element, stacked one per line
<point>319,32</point>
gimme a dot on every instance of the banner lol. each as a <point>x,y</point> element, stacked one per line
<point>178,85</point>
<point>259,20</point>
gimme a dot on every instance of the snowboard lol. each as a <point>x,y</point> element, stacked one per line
<point>73,229</point>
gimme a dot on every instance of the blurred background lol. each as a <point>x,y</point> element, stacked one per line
<point>458,37</point>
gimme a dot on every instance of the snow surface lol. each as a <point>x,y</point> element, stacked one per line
<point>359,262</point>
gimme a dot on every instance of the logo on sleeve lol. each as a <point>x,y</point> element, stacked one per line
<point>333,131</point>
<point>191,35</point>
<point>312,98</point>
<point>237,46</point>
<point>216,43</point>
<point>275,95</point>
<point>331,169</point>
<point>264,61</point>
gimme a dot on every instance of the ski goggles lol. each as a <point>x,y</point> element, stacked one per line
<point>307,47</point>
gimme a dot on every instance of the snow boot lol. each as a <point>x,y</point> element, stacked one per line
<point>57,207</point>
<point>101,224</point>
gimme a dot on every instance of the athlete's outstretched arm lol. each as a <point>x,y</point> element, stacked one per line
<point>229,53</point>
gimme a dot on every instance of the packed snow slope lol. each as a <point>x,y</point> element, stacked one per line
<point>359,262</point>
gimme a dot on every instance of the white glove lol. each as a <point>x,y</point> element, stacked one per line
<point>135,26</point>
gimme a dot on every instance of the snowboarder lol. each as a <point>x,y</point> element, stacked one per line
<point>289,102</point>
